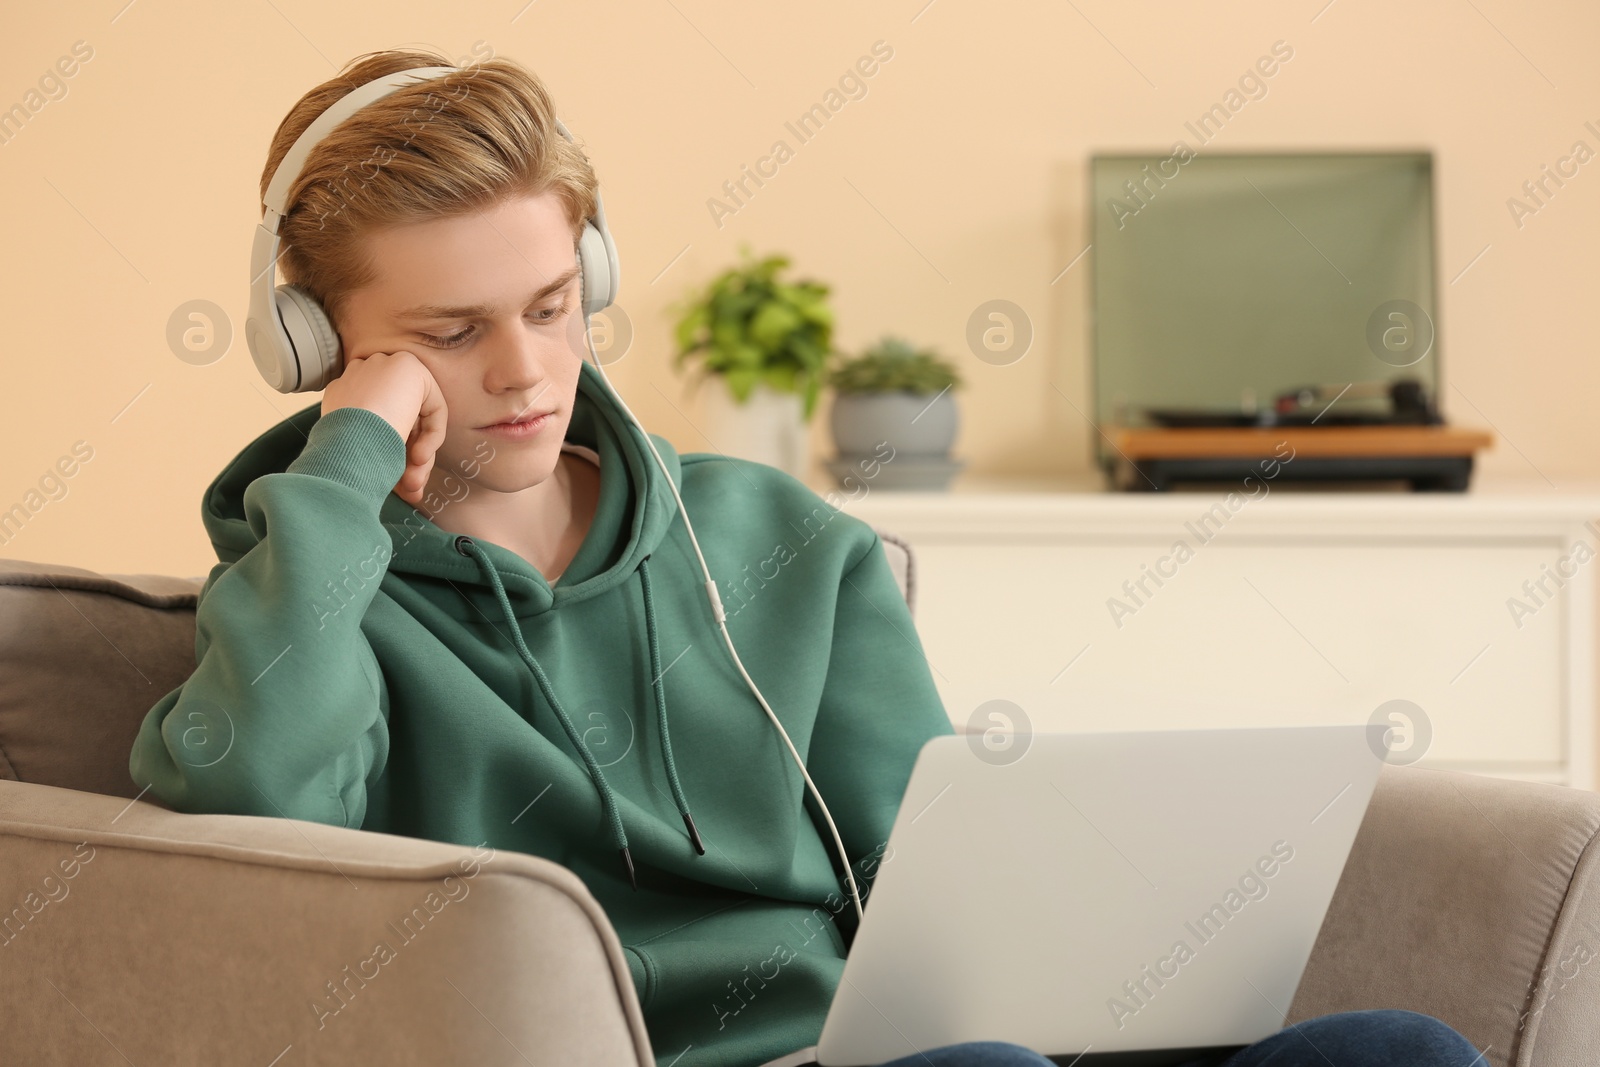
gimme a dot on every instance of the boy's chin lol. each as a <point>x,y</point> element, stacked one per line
<point>507,474</point>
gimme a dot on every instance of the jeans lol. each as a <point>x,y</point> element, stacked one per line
<point>1375,1038</point>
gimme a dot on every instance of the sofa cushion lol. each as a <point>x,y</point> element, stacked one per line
<point>83,657</point>
<point>1475,900</point>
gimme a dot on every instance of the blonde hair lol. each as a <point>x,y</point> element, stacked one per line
<point>440,148</point>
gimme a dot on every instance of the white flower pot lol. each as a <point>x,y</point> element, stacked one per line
<point>768,428</point>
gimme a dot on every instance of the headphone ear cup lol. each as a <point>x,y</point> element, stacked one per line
<point>595,268</point>
<point>314,341</point>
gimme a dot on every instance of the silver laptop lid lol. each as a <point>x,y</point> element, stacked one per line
<point>1101,891</point>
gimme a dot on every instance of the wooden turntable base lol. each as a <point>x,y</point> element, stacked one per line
<point>1431,458</point>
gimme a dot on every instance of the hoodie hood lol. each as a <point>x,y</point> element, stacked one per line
<point>631,517</point>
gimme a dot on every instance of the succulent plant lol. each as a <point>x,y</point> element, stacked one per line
<point>894,364</point>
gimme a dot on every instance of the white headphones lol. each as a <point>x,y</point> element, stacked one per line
<point>291,338</point>
<point>297,349</point>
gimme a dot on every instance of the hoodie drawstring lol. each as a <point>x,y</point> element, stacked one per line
<point>608,801</point>
<point>660,686</point>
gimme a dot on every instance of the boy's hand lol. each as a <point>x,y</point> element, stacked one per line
<point>396,386</point>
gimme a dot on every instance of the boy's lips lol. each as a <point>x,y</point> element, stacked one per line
<point>513,420</point>
<point>522,430</point>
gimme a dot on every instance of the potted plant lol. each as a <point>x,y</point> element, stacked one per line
<point>894,403</point>
<point>770,341</point>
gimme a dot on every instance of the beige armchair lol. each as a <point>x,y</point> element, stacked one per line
<point>130,933</point>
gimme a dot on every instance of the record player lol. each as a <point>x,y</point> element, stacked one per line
<point>1223,284</point>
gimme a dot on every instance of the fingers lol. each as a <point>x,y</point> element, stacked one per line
<point>426,437</point>
<point>413,485</point>
<point>413,481</point>
<point>432,418</point>
<point>399,388</point>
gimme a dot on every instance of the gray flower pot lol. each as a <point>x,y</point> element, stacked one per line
<point>914,424</point>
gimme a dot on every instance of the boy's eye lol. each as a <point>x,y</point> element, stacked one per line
<point>453,341</point>
<point>544,316</point>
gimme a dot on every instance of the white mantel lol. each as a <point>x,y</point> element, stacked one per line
<point>1296,606</point>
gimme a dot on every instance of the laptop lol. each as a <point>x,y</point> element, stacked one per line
<point>1124,898</point>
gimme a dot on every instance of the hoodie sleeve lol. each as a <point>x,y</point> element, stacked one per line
<point>879,705</point>
<point>286,712</point>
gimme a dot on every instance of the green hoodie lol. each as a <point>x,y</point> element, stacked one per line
<point>360,666</point>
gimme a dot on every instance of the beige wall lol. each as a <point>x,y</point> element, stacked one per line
<point>958,178</point>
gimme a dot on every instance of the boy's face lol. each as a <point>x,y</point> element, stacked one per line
<point>489,304</point>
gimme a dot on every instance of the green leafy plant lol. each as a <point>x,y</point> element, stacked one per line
<point>750,326</point>
<point>892,365</point>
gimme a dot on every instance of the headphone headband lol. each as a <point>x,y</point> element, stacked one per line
<point>290,336</point>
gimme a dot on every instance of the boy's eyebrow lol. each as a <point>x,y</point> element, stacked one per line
<point>439,311</point>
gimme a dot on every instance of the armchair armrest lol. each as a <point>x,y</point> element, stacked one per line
<point>204,939</point>
<point>1476,900</point>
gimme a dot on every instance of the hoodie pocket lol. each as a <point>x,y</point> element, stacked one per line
<point>730,945</point>
<point>643,970</point>
<point>726,996</point>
